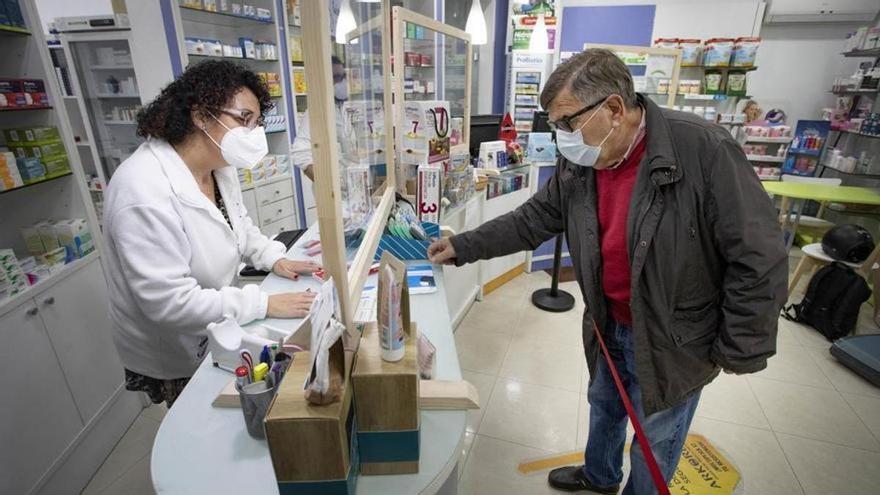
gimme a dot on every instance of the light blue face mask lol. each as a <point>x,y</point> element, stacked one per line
<point>573,147</point>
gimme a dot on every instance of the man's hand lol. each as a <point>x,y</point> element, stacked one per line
<point>441,252</point>
<point>290,305</point>
<point>292,269</point>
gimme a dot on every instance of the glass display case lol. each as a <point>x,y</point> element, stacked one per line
<point>106,91</point>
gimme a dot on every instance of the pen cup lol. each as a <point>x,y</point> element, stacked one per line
<point>255,399</point>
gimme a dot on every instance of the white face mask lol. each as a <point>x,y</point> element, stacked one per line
<point>340,91</point>
<point>571,144</point>
<point>242,147</point>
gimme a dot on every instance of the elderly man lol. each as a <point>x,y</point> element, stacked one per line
<point>676,249</point>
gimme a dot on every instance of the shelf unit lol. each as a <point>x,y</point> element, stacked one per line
<point>765,158</point>
<point>774,140</point>
<point>100,67</point>
<point>71,405</point>
<point>853,143</point>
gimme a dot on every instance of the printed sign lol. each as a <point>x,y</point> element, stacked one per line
<point>702,469</point>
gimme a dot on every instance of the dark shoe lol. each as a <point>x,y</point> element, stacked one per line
<point>572,479</point>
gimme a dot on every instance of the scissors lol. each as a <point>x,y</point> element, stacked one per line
<point>249,362</point>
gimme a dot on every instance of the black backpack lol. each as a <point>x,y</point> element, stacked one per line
<point>831,304</point>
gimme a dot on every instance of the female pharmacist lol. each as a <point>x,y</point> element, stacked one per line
<point>176,228</point>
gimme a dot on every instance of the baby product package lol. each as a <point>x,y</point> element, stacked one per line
<point>393,307</point>
<point>425,130</point>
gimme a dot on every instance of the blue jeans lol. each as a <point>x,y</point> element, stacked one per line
<point>666,430</point>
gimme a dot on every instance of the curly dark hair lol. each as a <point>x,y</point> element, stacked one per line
<point>206,87</point>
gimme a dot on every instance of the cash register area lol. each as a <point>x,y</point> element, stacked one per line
<point>781,428</point>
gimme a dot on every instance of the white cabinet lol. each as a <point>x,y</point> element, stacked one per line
<point>75,314</point>
<point>38,418</point>
<point>271,204</point>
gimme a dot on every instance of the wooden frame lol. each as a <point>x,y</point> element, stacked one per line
<point>328,194</point>
<point>647,50</point>
<point>401,16</point>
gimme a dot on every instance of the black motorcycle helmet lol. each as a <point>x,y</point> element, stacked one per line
<point>848,242</point>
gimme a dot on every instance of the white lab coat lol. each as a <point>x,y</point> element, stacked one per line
<point>301,150</point>
<point>172,260</point>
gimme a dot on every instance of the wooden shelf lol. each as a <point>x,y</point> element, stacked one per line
<point>46,179</point>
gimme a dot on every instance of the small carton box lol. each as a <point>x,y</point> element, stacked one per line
<point>47,233</point>
<point>56,165</point>
<point>428,192</point>
<point>74,235</point>
<point>313,448</point>
<point>12,94</point>
<point>31,170</point>
<point>32,239</point>
<point>41,151</point>
<point>387,398</point>
<point>35,92</point>
<point>43,134</point>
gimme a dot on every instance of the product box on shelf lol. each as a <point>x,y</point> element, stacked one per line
<point>428,191</point>
<point>38,150</point>
<point>10,176</point>
<point>28,135</point>
<point>425,130</point>
<point>75,236</point>
<point>31,170</point>
<point>313,448</point>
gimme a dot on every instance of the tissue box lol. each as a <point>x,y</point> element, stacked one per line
<point>31,170</point>
<point>387,398</point>
<point>313,448</point>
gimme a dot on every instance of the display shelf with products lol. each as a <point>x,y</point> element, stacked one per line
<point>53,292</point>
<point>852,152</point>
<point>765,158</point>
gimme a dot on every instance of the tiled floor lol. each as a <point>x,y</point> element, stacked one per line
<point>805,425</point>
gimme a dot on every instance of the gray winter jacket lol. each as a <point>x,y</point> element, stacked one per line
<point>709,269</point>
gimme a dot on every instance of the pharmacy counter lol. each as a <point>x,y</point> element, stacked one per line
<point>203,449</point>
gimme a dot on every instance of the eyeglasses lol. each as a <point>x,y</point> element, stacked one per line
<point>566,122</point>
<point>245,117</point>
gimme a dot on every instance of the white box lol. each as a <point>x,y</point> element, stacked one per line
<point>428,193</point>
<point>48,237</point>
<point>74,235</point>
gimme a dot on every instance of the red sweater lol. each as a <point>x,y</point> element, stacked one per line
<point>614,190</point>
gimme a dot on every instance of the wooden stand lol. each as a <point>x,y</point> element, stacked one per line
<point>387,405</point>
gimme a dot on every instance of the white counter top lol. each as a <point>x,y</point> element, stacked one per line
<point>203,449</point>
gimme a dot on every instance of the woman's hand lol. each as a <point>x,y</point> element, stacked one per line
<point>290,305</point>
<point>292,269</point>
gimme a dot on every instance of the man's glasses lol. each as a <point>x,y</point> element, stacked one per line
<point>566,122</point>
<point>245,117</point>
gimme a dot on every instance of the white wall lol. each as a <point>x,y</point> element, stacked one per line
<point>798,63</point>
<point>50,9</point>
